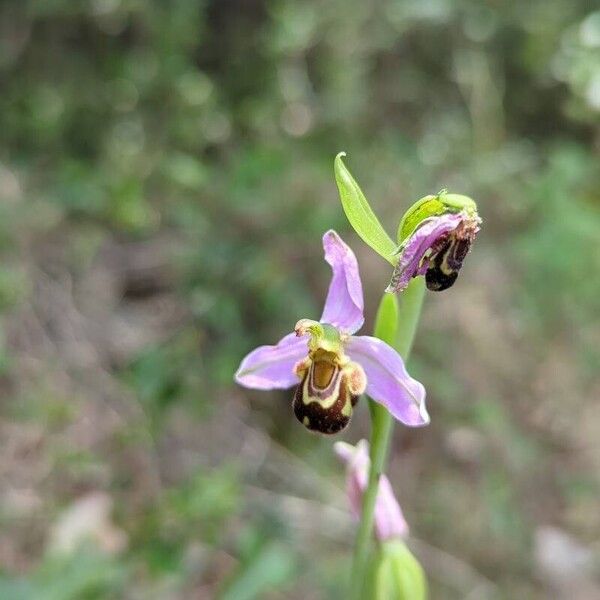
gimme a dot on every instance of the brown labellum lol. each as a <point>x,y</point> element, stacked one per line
<point>324,400</point>
<point>440,275</point>
<point>447,257</point>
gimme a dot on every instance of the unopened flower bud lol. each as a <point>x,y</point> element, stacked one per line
<point>396,574</point>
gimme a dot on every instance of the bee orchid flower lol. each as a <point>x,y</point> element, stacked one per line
<point>331,366</point>
<point>435,237</point>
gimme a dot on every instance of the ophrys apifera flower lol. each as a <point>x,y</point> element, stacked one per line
<point>331,366</point>
<point>435,236</point>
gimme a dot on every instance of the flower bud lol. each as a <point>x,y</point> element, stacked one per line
<point>395,574</point>
<point>389,520</point>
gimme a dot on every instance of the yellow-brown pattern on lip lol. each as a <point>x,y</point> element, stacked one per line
<point>330,388</point>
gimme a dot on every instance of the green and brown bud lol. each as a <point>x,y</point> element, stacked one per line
<point>396,574</point>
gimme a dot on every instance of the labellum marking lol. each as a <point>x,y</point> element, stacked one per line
<point>441,274</point>
<point>323,372</point>
<point>328,416</point>
<point>324,399</point>
<point>447,256</point>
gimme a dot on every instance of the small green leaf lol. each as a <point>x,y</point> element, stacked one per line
<point>360,214</point>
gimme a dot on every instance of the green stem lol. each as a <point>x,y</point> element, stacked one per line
<point>409,312</point>
<point>396,324</point>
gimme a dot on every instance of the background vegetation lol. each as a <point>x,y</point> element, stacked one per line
<point>165,177</point>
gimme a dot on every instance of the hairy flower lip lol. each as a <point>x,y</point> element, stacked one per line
<point>386,378</point>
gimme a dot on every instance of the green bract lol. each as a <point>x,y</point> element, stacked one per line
<point>396,574</point>
<point>359,213</point>
<point>433,206</point>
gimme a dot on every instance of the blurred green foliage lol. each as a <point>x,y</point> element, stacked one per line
<point>84,576</point>
<point>165,177</point>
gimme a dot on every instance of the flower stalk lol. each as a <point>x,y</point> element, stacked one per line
<point>396,324</point>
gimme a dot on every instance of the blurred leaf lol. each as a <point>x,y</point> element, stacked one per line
<point>207,499</point>
<point>268,569</point>
<point>17,589</point>
<point>86,575</point>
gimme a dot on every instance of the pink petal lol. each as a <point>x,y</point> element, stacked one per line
<point>272,367</point>
<point>344,304</point>
<point>389,520</point>
<point>417,245</point>
<point>388,381</point>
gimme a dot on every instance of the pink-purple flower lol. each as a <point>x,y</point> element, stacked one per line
<point>389,520</point>
<point>333,366</point>
<point>436,249</point>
